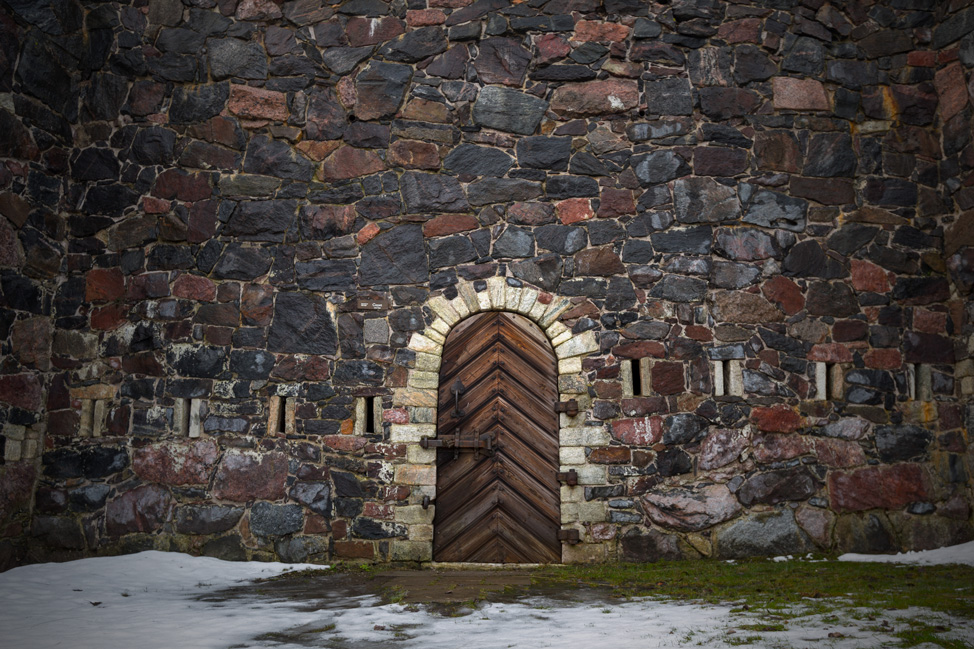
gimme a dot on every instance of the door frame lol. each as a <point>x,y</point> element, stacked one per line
<point>413,414</point>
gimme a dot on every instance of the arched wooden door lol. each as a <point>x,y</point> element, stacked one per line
<point>497,494</point>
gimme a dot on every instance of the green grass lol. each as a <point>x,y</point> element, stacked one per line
<point>762,585</point>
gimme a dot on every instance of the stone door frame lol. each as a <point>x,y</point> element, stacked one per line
<point>419,400</point>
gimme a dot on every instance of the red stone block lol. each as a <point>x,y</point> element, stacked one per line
<point>776,419</point>
<point>827,191</point>
<point>104,285</point>
<point>21,391</point>
<point>256,304</point>
<point>849,330</point>
<point>348,443</point>
<point>396,416</point>
<point>643,431</point>
<point>551,47</point>
<point>830,353</point>
<point>640,349</point>
<point>202,221</point>
<point>314,368</point>
<point>596,30</point>
<point>616,202</point>
<point>147,285</point>
<point>450,224</point>
<point>799,94</point>
<point>369,31</point>
<point>536,213</point>
<point>380,512</point>
<point>931,322</point>
<point>194,287</point>
<point>838,453</point>
<point>350,162</point>
<point>143,509</point>
<point>883,359</point>
<point>413,154</point>
<point>878,487</point>
<point>951,416</point>
<point>668,378</point>
<point>316,524</point>
<point>153,205</point>
<point>367,233</point>
<point>573,210</point>
<point>785,293</point>
<point>595,98</point>
<point>108,317</point>
<point>353,549</point>
<point>176,463</point>
<point>424,17</point>
<point>601,261</point>
<point>922,59</point>
<point>952,89</point>
<point>142,363</point>
<point>639,406</point>
<point>867,276</point>
<point>745,30</point>
<point>719,161</point>
<point>696,332</point>
<point>179,185</point>
<point>257,103</point>
<point>775,448</point>
<point>243,476</point>
<point>610,455</point>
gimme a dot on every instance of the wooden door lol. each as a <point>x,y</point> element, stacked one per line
<point>497,495</point>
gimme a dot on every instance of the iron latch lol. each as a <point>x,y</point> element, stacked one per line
<point>568,536</point>
<point>569,407</point>
<point>570,478</point>
<point>484,441</point>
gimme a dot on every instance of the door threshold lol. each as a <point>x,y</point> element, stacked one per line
<point>466,565</point>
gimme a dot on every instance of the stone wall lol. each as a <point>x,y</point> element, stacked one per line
<point>230,225</point>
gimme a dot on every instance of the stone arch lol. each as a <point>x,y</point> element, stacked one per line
<point>418,401</point>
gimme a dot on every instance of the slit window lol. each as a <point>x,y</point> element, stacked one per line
<point>370,425</point>
<point>280,415</point>
<point>829,382</point>
<point>919,382</point>
<point>728,378</point>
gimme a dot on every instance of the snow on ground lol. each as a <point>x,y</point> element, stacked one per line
<point>156,600</point>
<point>963,553</point>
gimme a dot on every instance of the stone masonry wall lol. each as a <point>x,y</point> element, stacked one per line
<point>229,226</point>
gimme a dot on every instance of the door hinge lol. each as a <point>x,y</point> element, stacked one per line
<point>570,478</point>
<point>569,407</point>
<point>568,536</point>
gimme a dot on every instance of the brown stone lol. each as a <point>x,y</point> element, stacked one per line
<point>610,455</point>
<point>257,103</point>
<point>551,47</point>
<point>640,431</point>
<point>256,304</point>
<point>317,150</point>
<point>867,276</point>
<point>640,349</point>
<point>719,161</point>
<point>668,378</point>
<point>177,462</point>
<point>258,10</point>
<point>424,110</point>
<point>776,419</point>
<point>30,342</point>
<point>15,208</point>
<point>816,522</point>
<point>777,151</point>
<point>739,307</point>
<point>597,30</point>
<point>799,94</point>
<point>775,448</point>
<point>849,330</point>
<point>691,509</point>
<point>720,448</point>
<point>326,221</point>
<point>194,287</point>
<point>347,443</point>
<point>367,233</point>
<point>108,317</point>
<point>952,90</point>
<point>830,353</point>
<point>179,185</point>
<point>827,191</point>
<point>615,203</point>
<point>879,487</point>
<point>785,293</point>
<point>104,285</point>
<point>245,475</point>
<point>595,98</point>
<point>883,359</point>
<point>425,17</point>
<point>313,368</point>
<point>413,154</point>
<point>745,30</point>
<point>143,509</point>
<point>838,453</point>
<point>350,162</point>
<point>831,298</point>
<point>450,224</point>
<point>354,549</point>
<point>574,210</point>
<point>362,31</point>
<point>538,213</point>
<point>601,261</point>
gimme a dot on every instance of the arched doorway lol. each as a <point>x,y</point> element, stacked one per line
<point>497,492</point>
